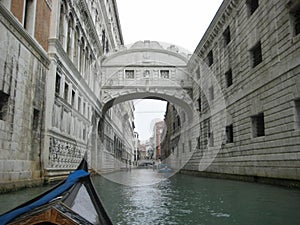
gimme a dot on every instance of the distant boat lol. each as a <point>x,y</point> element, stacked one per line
<point>73,201</point>
<point>163,168</point>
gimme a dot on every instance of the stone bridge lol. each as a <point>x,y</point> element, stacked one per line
<point>146,70</point>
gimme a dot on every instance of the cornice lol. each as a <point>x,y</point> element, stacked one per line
<point>215,28</point>
<point>13,25</point>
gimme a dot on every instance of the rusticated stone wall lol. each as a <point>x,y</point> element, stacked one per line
<point>261,137</point>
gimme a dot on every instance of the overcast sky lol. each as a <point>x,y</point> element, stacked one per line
<point>178,22</point>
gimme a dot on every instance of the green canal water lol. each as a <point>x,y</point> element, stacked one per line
<point>144,197</point>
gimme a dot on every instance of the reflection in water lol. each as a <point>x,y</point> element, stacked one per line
<point>137,177</point>
<point>184,200</point>
<point>193,200</point>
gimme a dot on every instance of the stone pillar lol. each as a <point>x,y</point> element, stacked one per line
<point>49,103</point>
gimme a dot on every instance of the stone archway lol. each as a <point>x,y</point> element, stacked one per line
<point>146,70</point>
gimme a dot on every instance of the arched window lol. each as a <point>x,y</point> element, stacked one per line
<point>86,64</point>
<point>82,55</point>
<point>103,40</point>
<point>63,9</point>
<point>76,46</point>
<point>69,36</point>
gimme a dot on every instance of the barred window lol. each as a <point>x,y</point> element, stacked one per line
<point>198,73</point>
<point>199,104</point>
<point>256,55</point>
<point>3,105</point>
<point>226,36</point>
<point>129,74</point>
<point>252,6</point>
<point>164,74</point>
<point>35,120</point>
<point>258,125</point>
<point>210,58</point>
<point>211,93</point>
<point>198,143</point>
<point>210,134</point>
<point>297,114</point>
<point>295,15</point>
<point>228,77</point>
<point>147,74</point>
<point>229,134</point>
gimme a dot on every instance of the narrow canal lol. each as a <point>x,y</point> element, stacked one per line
<point>144,197</point>
<point>184,199</point>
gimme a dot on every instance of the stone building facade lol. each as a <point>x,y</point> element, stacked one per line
<point>50,94</point>
<point>24,64</point>
<point>249,61</point>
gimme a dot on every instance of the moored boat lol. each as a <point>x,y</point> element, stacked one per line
<point>73,201</point>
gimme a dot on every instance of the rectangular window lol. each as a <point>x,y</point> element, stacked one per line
<point>146,74</point>
<point>129,74</point>
<point>210,58</point>
<point>190,145</point>
<point>198,143</point>
<point>199,104</point>
<point>297,114</point>
<point>57,84</point>
<point>295,16</point>
<point>66,92</point>
<point>178,121</point>
<point>29,16</point>
<point>226,36</point>
<point>79,104</point>
<point>210,139</point>
<point>73,98</point>
<point>84,133</point>
<point>258,125</point>
<point>256,55</point>
<point>211,93</point>
<point>35,120</point>
<point>229,134</point>
<point>182,147</point>
<point>228,77</point>
<point>210,135</point>
<point>198,73</point>
<point>252,6</point>
<point>84,105</point>
<point>174,128</point>
<point>164,74</point>
<point>3,105</point>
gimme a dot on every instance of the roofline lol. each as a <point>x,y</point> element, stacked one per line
<point>210,28</point>
<point>128,51</point>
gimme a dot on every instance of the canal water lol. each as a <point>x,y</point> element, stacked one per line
<point>145,197</point>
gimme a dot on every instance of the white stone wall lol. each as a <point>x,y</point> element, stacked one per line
<point>271,88</point>
<point>23,65</point>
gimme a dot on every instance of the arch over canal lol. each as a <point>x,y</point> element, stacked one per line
<point>147,69</point>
